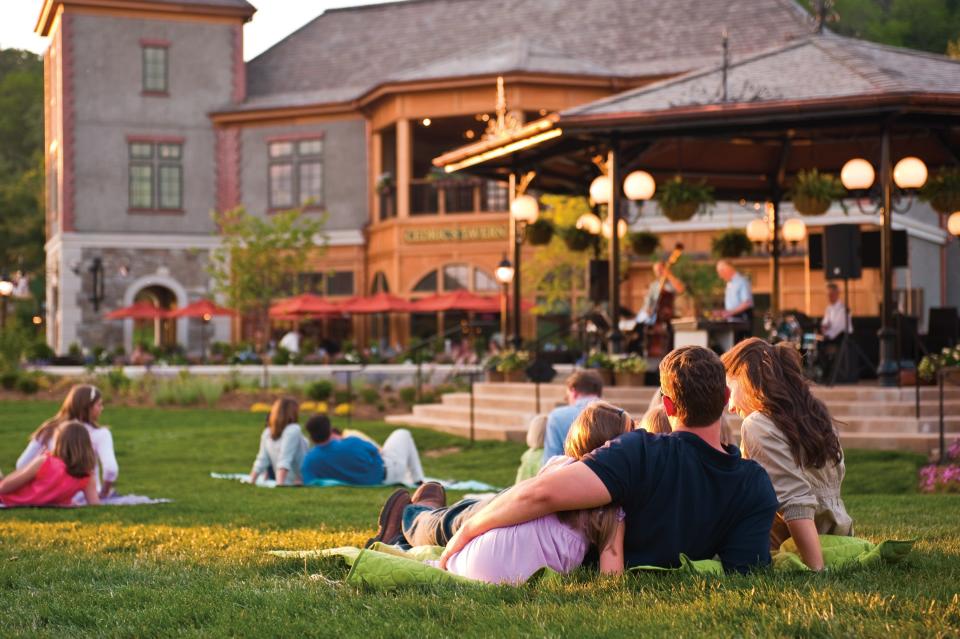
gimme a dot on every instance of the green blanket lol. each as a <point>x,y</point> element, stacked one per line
<point>383,566</point>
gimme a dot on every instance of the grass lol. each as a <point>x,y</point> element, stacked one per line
<point>196,567</point>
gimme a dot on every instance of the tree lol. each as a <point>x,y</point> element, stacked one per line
<point>555,272</point>
<point>258,256</point>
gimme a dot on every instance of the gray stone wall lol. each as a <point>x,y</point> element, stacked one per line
<point>344,169</point>
<point>109,106</point>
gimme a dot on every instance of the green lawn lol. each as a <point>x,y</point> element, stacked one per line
<point>197,567</point>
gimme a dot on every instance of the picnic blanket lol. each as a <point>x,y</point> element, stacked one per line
<point>113,500</point>
<point>387,567</point>
<point>449,484</point>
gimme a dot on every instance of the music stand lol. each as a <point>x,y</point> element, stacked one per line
<point>843,357</point>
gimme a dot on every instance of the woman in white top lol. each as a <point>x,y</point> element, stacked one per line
<point>282,445</point>
<point>83,403</point>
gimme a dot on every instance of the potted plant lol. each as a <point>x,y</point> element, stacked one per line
<point>930,365</point>
<point>490,368</point>
<point>630,370</point>
<point>540,232</point>
<point>513,364</point>
<point>680,200</point>
<point>577,239</point>
<point>603,364</point>
<point>813,192</point>
<point>643,243</point>
<point>385,183</point>
<point>731,243</point>
<point>942,191</point>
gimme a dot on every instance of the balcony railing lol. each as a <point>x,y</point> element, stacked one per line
<point>438,197</point>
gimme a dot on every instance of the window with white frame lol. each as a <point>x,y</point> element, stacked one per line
<point>295,173</point>
<point>156,175</point>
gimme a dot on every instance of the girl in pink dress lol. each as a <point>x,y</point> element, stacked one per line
<point>52,479</point>
<point>559,540</point>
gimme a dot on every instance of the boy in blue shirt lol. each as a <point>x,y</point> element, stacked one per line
<point>348,459</point>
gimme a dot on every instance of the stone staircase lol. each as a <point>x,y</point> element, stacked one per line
<point>868,416</point>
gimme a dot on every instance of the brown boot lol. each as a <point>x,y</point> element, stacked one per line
<point>391,518</point>
<point>430,494</point>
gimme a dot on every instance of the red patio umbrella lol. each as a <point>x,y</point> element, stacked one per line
<point>378,303</point>
<point>304,305</point>
<point>457,301</point>
<point>142,310</point>
<point>203,309</point>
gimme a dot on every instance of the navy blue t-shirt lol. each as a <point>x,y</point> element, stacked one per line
<point>351,460</point>
<point>681,495</point>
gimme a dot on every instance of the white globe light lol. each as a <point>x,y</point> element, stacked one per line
<point>794,230</point>
<point>590,223</point>
<point>525,208</point>
<point>953,223</point>
<point>639,185</point>
<point>857,174</point>
<point>910,173</point>
<point>504,273</point>
<point>758,231</point>
<point>6,287</point>
<point>601,190</point>
<point>621,228</point>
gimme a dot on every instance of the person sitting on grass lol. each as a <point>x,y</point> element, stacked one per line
<point>532,458</point>
<point>559,541</point>
<point>282,445</point>
<point>355,460</point>
<point>84,403</point>
<point>791,434</point>
<point>583,387</point>
<point>53,478</point>
<point>682,493</point>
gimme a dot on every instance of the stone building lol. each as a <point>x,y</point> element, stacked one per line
<point>153,120</point>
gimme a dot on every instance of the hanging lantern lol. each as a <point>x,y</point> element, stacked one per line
<point>600,190</point>
<point>758,231</point>
<point>590,223</point>
<point>953,223</point>
<point>639,185</point>
<point>857,175</point>
<point>794,231</point>
<point>621,228</point>
<point>910,173</point>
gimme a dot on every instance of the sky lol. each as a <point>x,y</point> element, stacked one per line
<point>274,20</point>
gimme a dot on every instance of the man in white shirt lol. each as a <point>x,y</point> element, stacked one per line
<point>737,298</point>
<point>835,320</point>
<point>291,342</point>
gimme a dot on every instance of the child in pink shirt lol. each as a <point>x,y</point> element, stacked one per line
<point>52,479</point>
<point>559,540</point>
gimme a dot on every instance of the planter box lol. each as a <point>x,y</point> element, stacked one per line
<point>605,374</point>
<point>515,376</point>
<point>494,376</point>
<point>630,379</point>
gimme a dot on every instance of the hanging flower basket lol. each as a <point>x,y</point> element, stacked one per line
<point>731,243</point>
<point>807,205</point>
<point>942,191</point>
<point>577,239</point>
<point>679,200</point>
<point>539,232</point>
<point>680,212</point>
<point>813,192</point>
<point>643,243</point>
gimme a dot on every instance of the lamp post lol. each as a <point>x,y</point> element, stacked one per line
<point>6,289</point>
<point>524,209</point>
<point>504,274</point>
<point>858,176</point>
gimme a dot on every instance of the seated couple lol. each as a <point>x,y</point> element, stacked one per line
<point>286,456</point>
<point>639,498</point>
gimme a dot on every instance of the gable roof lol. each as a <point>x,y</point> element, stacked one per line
<point>823,66</point>
<point>237,8</point>
<point>354,50</point>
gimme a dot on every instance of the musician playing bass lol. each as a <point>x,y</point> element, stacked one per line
<point>658,308</point>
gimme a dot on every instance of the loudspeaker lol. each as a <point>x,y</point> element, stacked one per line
<point>871,249</point>
<point>841,252</point>
<point>815,251</point>
<point>599,281</point>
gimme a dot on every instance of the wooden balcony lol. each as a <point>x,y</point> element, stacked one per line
<point>440,197</point>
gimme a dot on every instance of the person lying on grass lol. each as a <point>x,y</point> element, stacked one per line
<point>356,460</point>
<point>84,403</point>
<point>559,541</point>
<point>282,445</point>
<point>791,434</point>
<point>53,478</point>
<point>681,493</point>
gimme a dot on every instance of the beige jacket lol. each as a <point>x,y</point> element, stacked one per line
<point>803,492</point>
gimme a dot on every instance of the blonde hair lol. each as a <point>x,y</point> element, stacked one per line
<point>74,447</point>
<point>597,424</point>
<point>77,405</point>
<point>285,411</point>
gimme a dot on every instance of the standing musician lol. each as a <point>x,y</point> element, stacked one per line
<point>737,298</point>
<point>658,306</point>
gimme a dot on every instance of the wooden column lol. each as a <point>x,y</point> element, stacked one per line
<point>404,167</point>
<point>376,164</point>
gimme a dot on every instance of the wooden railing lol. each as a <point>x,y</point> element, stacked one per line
<point>439,197</point>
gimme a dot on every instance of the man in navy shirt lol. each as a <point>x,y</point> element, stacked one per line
<point>682,493</point>
<point>348,459</point>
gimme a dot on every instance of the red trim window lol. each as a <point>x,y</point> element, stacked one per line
<point>155,65</point>
<point>295,172</point>
<point>156,175</point>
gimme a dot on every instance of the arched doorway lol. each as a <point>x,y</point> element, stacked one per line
<point>161,332</point>
<point>161,289</point>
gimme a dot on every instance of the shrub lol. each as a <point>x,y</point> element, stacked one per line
<point>943,479</point>
<point>342,396</point>
<point>369,394</point>
<point>40,351</point>
<point>408,394</point>
<point>320,390</point>
<point>633,364</point>
<point>187,390</point>
<point>115,380</point>
<point>27,384</point>
<point>281,357</point>
<point>9,379</point>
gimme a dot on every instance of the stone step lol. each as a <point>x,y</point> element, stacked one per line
<point>928,409</point>
<point>481,430</point>
<point>493,416</point>
<point>528,404</point>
